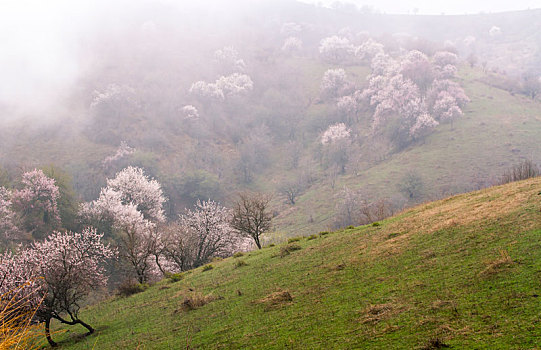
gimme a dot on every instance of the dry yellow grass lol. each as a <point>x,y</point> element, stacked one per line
<point>476,207</point>
<point>17,329</point>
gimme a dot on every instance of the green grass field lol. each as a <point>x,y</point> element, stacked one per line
<point>464,271</point>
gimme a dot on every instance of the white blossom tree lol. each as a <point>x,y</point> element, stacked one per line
<point>229,60</point>
<point>336,49</point>
<point>189,112</point>
<point>130,207</point>
<point>209,232</point>
<point>334,82</point>
<point>292,44</point>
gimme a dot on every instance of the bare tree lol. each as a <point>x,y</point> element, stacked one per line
<point>522,171</point>
<point>291,190</point>
<point>250,215</point>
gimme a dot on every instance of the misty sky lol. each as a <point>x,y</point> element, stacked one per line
<point>441,6</point>
<point>40,39</point>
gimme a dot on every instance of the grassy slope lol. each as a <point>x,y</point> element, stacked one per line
<point>497,131</point>
<point>466,270</point>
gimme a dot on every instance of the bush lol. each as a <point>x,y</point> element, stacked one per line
<point>240,263</point>
<point>294,239</point>
<point>350,227</point>
<point>130,287</point>
<point>312,237</point>
<point>238,254</point>
<point>175,277</point>
<point>376,224</point>
<point>323,233</point>
<point>207,267</point>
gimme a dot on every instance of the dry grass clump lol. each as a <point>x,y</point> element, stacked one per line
<point>435,343</point>
<point>379,312</point>
<point>286,250</point>
<point>276,299</point>
<point>498,264</point>
<point>196,300</point>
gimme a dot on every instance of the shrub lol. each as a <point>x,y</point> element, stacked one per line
<point>311,237</point>
<point>323,233</point>
<point>240,263</point>
<point>175,277</point>
<point>238,254</point>
<point>130,287</point>
<point>207,267</point>
<point>376,224</point>
<point>350,227</point>
<point>294,239</point>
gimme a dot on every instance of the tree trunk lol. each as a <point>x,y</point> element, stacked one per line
<point>87,326</point>
<point>48,333</point>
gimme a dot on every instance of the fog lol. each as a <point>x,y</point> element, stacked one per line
<point>48,46</point>
<point>428,7</point>
<point>212,97</point>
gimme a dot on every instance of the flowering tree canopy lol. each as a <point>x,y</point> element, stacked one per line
<point>416,90</point>
<point>225,86</point>
<point>333,82</point>
<point>37,202</point>
<point>335,133</point>
<point>122,151</point>
<point>8,229</point>
<point>190,112</point>
<point>57,274</point>
<point>292,44</point>
<point>130,206</point>
<point>229,60</point>
<point>210,231</point>
<point>336,49</point>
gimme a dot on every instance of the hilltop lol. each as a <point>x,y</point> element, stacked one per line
<point>464,271</point>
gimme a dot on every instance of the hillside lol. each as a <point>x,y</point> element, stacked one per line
<point>146,60</point>
<point>465,271</point>
<point>496,132</point>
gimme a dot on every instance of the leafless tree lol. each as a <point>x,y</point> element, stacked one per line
<point>522,171</point>
<point>292,189</point>
<point>251,216</point>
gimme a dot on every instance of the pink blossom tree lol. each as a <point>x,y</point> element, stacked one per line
<point>122,151</point>
<point>57,274</point>
<point>210,232</point>
<point>36,201</point>
<point>8,229</point>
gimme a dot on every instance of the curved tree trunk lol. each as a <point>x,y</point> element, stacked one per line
<point>48,333</point>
